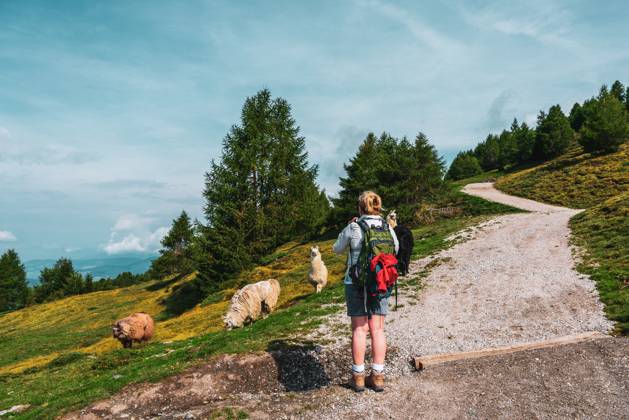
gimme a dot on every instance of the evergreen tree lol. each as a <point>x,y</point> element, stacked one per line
<point>178,239</point>
<point>464,165</point>
<point>618,91</point>
<point>627,98</point>
<point>576,117</point>
<point>360,176</point>
<point>14,292</point>
<point>404,174</point>
<point>508,147</point>
<point>488,152</point>
<point>176,254</point>
<point>89,283</point>
<point>525,142</point>
<point>554,134</point>
<point>59,281</point>
<point>606,124</point>
<point>260,194</point>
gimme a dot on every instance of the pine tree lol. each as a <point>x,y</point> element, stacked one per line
<point>576,117</point>
<point>525,141</point>
<point>508,147</point>
<point>178,239</point>
<point>487,152</point>
<point>554,134</point>
<point>404,174</point>
<point>464,165</point>
<point>606,124</point>
<point>260,194</point>
<point>89,283</point>
<point>618,91</point>
<point>360,176</point>
<point>176,254</point>
<point>58,281</point>
<point>14,291</point>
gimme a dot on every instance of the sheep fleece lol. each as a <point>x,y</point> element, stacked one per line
<point>136,327</point>
<point>252,301</point>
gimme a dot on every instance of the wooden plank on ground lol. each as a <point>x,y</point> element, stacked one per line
<point>422,362</point>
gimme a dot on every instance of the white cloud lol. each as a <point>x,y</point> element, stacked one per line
<point>129,243</point>
<point>5,235</point>
<point>133,233</point>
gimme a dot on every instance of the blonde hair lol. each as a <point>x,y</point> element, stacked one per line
<point>369,203</point>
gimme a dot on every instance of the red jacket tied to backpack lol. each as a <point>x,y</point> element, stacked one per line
<point>387,275</point>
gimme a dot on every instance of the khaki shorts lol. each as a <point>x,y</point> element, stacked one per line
<point>355,301</point>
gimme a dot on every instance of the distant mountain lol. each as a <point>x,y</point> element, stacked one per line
<point>106,266</point>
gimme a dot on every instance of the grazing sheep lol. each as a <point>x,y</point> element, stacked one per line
<point>406,241</point>
<point>250,302</point>
<point>318,275</point>
<point>136,327</point>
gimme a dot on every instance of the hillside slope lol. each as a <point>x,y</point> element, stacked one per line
<point>576,179</point>
<point>68,342</point>
<point>604,231</point>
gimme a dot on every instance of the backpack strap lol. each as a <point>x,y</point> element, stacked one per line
<point>363,225</point>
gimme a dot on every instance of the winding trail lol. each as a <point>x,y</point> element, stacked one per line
<point>509,280</point>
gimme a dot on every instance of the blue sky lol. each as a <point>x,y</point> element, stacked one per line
<point>111,111</point>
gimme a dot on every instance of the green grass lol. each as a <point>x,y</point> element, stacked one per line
<point>576,179</point>
<point>59,356</point>
<point>603,231</point>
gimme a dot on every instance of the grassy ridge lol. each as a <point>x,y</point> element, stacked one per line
<point>60,356</point>
<point>604,231</point>
<point>576,179</point>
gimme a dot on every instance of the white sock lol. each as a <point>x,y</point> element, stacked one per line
<point>378,368</point>
<point>358,368</point>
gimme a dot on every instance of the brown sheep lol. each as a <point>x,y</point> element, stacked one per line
<point>136,327</point>
<point>252,301</point>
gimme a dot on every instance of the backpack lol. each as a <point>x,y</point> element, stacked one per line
<point>376,268</point>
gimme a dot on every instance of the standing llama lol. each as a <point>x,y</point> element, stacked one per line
<point>318,275</point>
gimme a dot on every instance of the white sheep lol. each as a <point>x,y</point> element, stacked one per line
<point>251,302</point>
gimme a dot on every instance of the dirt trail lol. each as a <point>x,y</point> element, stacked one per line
<point>510,280</point>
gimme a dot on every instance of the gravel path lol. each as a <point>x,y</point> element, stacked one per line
<point>510,280</point>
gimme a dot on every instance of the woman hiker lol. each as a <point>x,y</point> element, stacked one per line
<point>367,313</point>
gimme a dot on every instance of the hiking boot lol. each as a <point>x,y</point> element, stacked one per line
<point>375,381</point>
<point>358,381</point>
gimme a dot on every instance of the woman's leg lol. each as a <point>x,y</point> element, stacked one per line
<point>359,339</point>
<point>378,340</point>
